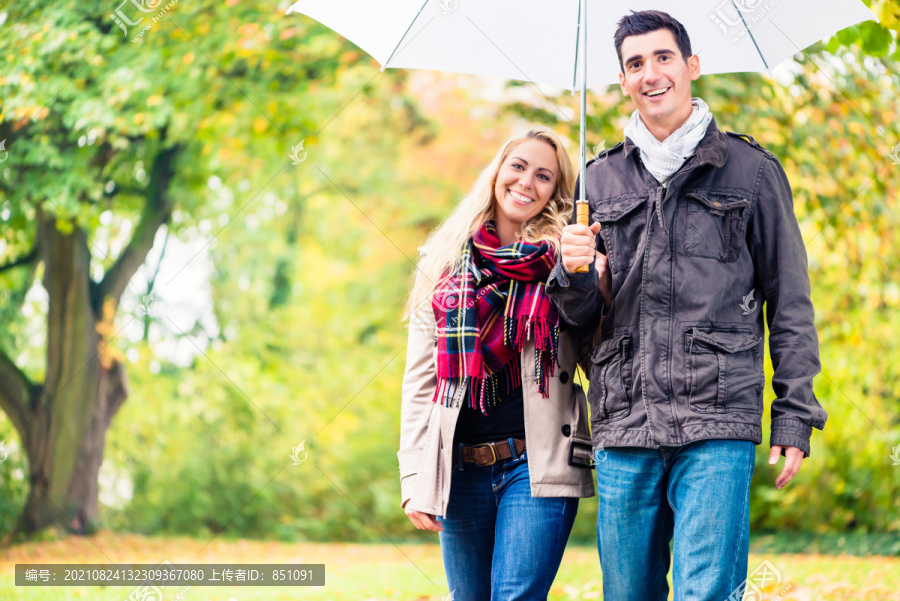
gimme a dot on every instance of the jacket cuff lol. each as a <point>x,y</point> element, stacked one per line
<point>579,281</point>
<point>409,466</point>
<point>407,485</point>
<point>790,432</point>
<point>409,460</point>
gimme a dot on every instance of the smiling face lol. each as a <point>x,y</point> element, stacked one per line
<point>525,184</point>
<point>658,80</point>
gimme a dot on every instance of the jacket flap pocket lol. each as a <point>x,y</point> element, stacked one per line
<point>726,341</point>
<point>718,201</point>
<point>617,207</point>
<point>608,348</point>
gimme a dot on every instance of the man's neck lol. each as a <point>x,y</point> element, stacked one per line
<point>661,131</point>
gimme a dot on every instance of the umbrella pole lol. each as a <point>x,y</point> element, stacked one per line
<point>581,192</point>
<point>581,203</point>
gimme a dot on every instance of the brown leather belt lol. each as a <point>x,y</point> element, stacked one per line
<point>489,453</point>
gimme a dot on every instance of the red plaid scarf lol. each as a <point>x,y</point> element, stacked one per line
<point>484,315</point>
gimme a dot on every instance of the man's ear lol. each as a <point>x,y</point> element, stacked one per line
<point>694,67</point>
<point>622,84</point>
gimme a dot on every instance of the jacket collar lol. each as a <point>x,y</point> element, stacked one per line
<point>712,149</point>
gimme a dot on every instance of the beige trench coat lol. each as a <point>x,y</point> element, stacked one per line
<point>427,428</point>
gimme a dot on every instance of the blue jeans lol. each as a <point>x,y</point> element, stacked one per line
<point>699,492</point>
<point>499,542</point>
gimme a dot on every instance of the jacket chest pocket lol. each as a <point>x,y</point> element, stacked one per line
<point>716,223</point>
<point>723,370</point>
<point>611,375</point>
<point>622,220</point>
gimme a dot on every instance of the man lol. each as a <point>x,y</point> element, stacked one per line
<point>696,233</point>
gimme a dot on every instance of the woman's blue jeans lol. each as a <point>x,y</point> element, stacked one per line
<point>699,494</point>
<point>499,542</point>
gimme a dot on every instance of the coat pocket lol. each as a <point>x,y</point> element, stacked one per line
<point>623,221</point>
<point>723,370</point>
<point>716,223</point>
<point>611,375</point>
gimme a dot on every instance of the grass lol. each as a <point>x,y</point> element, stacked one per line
<point>411,572</point>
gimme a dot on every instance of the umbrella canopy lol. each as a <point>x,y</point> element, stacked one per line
<point>543,42</point>
<point>538,40</point>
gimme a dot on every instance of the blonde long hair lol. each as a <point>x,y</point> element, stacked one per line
<point>442,250</point>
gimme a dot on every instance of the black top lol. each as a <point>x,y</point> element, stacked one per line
<point>505,419</point>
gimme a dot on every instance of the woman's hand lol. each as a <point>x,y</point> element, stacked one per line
<point>422,521</point>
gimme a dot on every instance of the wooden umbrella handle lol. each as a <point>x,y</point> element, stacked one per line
<point>581,217</point>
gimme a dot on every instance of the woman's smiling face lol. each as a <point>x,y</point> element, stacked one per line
<point>525,184</point>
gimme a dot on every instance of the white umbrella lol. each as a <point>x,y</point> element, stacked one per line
<point>538,40</point>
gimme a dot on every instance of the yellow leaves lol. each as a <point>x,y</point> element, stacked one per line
<point>856,128</point>
<point>154,100</point>
<point>248,29</point>
<point>106,328</point>
<point>890,15</point>
<point>260,125</point>
<point>287,33</point>
<point>188,58</point>
<point>139,118</point>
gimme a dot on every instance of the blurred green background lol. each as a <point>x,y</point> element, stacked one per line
<point>156,236</point>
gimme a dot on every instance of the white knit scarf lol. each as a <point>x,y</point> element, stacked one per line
<point>663,159</point>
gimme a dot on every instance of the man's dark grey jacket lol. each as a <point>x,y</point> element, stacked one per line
<point>680,357</point>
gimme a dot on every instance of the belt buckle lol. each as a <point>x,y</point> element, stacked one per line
<point>493,453</point>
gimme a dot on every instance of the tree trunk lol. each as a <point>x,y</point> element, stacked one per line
<point>83,389</point>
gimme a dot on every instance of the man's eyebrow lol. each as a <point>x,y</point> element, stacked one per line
<point>655,53</point>
<point>539,168</point>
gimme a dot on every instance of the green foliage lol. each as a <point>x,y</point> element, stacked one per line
<point>311,261</point>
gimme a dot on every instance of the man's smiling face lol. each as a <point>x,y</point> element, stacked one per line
<point>658,80</point>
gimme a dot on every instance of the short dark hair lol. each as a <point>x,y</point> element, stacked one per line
<point>647,21</point>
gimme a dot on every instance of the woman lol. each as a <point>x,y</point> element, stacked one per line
<point>492,424</point>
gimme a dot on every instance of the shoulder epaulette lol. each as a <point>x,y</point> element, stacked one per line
<point>749,140</point>
<point>603,155</point>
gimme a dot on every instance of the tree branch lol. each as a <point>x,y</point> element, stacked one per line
<point>15,393</point>
<point>23,260</point>
<point>156,212</point>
